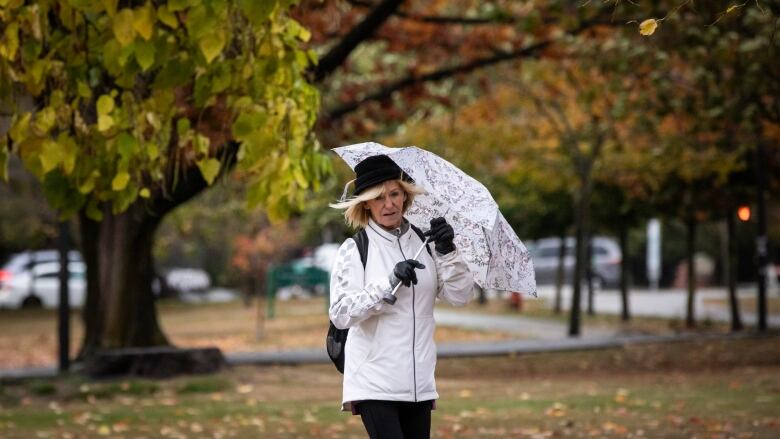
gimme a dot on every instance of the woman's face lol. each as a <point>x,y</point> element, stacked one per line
<point>387,208</point>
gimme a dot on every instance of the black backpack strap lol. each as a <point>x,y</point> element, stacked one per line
<point>422,237</point>
<point>361,239</point>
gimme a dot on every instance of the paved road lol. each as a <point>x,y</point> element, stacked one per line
<point>669,303</point>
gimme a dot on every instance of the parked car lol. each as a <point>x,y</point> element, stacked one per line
<point>606,260</point>
<point>26,260</point>
<point>39,286</point>
<point>17,273</point>
<point>188,280</point>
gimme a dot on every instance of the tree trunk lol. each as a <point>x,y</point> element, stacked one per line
<point>581,213</point>
<point>589,274</point>
<point>730,269</point>
<point>690,317</point>
<point>560,273</point>
<point>120,311</point>
<point>625,315</point>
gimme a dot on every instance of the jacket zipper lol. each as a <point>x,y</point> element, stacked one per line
<point>414,329</point>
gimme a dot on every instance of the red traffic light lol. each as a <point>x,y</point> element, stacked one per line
<point>743,213</point>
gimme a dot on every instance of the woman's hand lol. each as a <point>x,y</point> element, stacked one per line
<point>442,234</point>
<point>404,271</point>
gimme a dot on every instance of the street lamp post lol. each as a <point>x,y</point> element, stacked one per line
<point>64,302</point>
<point>762,244</point>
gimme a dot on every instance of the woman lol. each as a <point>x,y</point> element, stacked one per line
<point>390,355</point>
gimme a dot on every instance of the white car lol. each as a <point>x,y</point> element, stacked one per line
<point>606,260</point>
<point>40,286</point>
<point>188,280</point>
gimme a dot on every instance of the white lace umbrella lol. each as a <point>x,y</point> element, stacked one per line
<point>495,255</point>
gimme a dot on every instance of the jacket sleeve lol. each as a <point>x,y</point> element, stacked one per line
<point>455,281</point>
<point>351,301</point>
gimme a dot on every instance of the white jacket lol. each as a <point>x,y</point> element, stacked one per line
<point>390,353</point>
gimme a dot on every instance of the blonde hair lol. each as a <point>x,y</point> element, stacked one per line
<point>357,217</point>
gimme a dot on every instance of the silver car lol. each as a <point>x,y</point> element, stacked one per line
<point>31,279</point>
<point>606,260</point>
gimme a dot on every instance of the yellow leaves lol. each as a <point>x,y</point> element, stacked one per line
<point>11,4</point>
<point>123,28</point>
<point>212,44</point>
<point>144,54</point>
<point>138,37</point>
<point>105,105</point>
<point>105,123</point>
<point>110,6</point>
<point>648,26</point>
<point>10,42</point>
<point>143,21</point>
<point>58,153</point>
<point>209,168</point>
<point>20,127</point>
<point>128,23</point>
<point>167,17</point>
<point>120,181</point>
<point>89,184</point>
<point>50,156</point>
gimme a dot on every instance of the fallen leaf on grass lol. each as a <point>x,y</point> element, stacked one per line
<point>612,427</point>
<point>246,388</point>
<point>557,410</point>
<point>621,396</point>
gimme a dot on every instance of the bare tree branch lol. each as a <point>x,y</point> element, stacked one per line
<point>437,19</point>
<point>411,80</point>
<point>438,75</point>
<point>364,30</point>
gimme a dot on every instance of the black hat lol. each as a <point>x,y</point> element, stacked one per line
<point>377,169</point>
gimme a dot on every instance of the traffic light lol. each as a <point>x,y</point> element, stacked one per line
<point>743,213</point>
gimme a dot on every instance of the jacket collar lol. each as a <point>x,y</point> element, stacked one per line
<point>388,236</point>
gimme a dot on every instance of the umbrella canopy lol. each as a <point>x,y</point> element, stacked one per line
<point>495,255</point>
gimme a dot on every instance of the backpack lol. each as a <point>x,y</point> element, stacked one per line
<point>337,338</point>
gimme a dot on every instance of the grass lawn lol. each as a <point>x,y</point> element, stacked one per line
<point>714,389</point>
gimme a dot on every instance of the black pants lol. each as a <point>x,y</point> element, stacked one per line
<point>396,419</point>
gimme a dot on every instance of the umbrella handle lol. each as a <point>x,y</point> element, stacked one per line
<point>390,297</point>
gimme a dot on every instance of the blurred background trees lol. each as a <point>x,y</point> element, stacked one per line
<point>576,122</point>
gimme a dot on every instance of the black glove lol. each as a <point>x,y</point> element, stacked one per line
<point>442,234</point>
<point>404,271</point>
